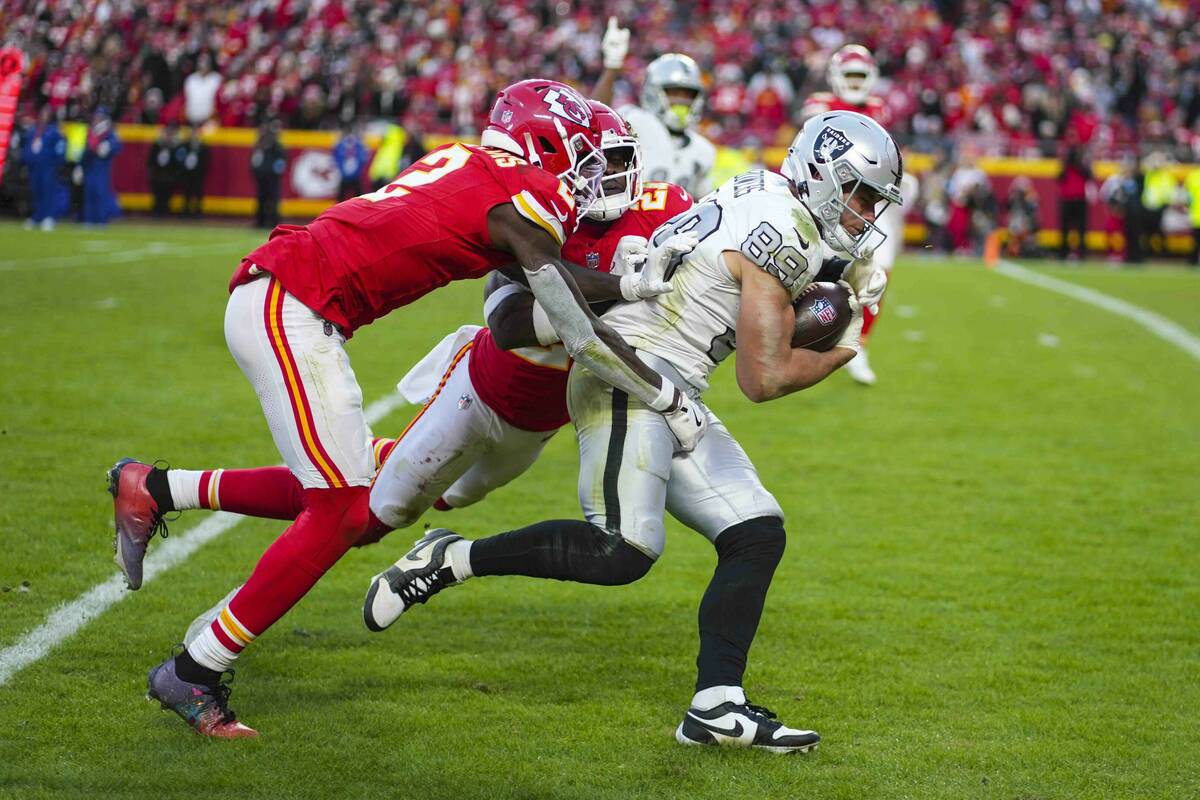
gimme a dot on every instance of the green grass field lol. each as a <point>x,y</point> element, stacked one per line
<point>990,590</point>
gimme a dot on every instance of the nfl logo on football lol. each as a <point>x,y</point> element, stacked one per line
<point>824,311</point>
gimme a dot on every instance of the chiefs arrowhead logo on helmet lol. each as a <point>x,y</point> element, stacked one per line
<point>830,145</point>
<point>568,105</point>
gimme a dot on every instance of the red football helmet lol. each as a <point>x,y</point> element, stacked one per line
<point>622,184</point>
<point>852,73</point>
<point>550,124</point>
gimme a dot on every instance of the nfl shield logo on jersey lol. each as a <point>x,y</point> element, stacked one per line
<point>824,311</point>
<point>831,143</point>
<point>593,260</point>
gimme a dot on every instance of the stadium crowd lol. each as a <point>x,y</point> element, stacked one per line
<point>1016,77</point>
<point>1065,79</point>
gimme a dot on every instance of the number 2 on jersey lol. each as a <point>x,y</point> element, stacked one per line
<point>436,165</point>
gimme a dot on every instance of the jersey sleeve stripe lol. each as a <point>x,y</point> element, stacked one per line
<point>532,210</point>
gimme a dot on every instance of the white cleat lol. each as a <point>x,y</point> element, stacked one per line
<point>420,574</point>
<point>743,725</point>
<point>860,369</point>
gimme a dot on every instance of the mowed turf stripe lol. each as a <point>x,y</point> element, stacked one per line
<point>67,619</point>
<point>1158,325</point>
<point>156,249</point>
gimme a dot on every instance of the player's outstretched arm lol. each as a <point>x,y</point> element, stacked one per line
<point>588,340</point>
<point>767,366</point>
<point>613,47</point>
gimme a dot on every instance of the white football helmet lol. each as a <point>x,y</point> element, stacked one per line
<point>673,71</point>
<point>852,74</point>
<point>834,156</point>
<point>621,187</point>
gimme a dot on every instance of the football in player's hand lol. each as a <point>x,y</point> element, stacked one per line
<point>822,314</point>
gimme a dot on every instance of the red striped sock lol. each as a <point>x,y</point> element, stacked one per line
<point>382,449</point>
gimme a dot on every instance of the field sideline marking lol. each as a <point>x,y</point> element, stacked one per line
<point>1158,325</point>
<point>67,619</point>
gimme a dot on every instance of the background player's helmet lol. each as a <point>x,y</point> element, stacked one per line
<point>835,155</point>
<point>852,73</point>
<point>550,124</point>
<point>622,184</point>
<point>673,71</point>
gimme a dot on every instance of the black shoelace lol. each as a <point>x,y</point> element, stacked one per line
<point>220,695</point>
<point>422,587</point>
<point>762,711</point>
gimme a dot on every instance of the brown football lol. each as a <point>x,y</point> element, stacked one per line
<point>822,314</point>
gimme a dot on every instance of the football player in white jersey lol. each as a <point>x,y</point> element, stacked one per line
<point>672,101</point>
<point>852,74</point>
<point>757,246</point>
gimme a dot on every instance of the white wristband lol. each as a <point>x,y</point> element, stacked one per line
<point>542,329</point>
<point>627,283</point>
<point>666,396</point>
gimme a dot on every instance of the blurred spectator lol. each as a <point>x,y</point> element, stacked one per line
<point>967,192</point>
<point>936,201</point>
<point>99,199</point>
<point>1121,194</point>
<point>191,157</point>
<point>267,162</point>
<point>43,151</point>
<point>1022,220</point>
<point>1192,184</point>
<point>1157,194</point>
<point>200,92</point>
<point>162,170</point>
<point>1074,185</point>
<point>76,134</point>
<point>397,151</point>
<point>350,155</point>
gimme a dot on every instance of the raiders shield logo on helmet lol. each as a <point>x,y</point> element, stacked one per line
<point>831,144</point>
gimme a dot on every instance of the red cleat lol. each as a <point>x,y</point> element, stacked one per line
<point>204,708</point>
<point>136,514</point>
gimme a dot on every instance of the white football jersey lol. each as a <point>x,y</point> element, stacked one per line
<point>685,159</point>
<point>694,327</point>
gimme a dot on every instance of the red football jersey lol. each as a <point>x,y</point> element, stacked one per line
<point>824,102</point>
<point>527,387</point>
<point>371,254</point>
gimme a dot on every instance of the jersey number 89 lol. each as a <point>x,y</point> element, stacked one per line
<point>764,246</point>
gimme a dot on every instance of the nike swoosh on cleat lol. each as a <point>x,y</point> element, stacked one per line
<point>736,731</point>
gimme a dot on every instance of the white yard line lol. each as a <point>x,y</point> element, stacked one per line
<point>1158,325</point>
<point>67,619</point>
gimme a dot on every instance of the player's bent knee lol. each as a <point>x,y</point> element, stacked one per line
<point>396,515</point>
<point>761,537</point>
<point>618,562</point>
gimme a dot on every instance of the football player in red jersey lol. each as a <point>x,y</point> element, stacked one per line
<point>459,212</point>
<point>852,73</point>
<point>487,412</point>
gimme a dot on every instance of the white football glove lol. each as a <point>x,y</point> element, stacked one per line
<point>650,281</point>
<point>687,421</point>
<point>852,336</point>
<point>629,256</point>
<point>614,45</point>
<point>867,280</point>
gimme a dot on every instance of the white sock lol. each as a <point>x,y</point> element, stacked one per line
<point>185,488</point>
<point>459,555</point>
<point>207,651</point>
<point>713,696</point>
